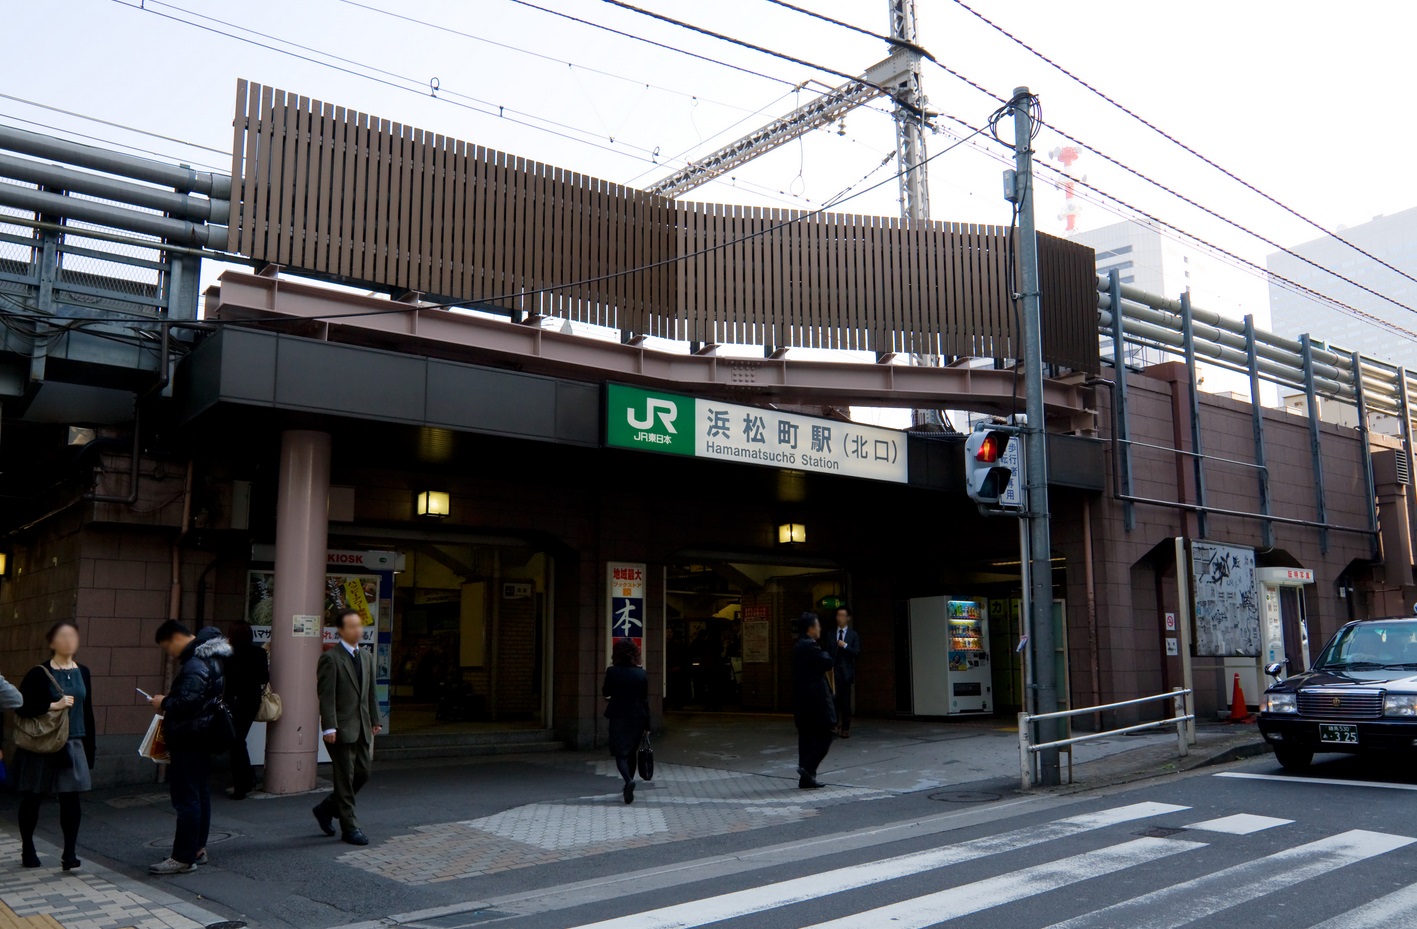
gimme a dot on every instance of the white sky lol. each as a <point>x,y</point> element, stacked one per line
<point>1297,97</point>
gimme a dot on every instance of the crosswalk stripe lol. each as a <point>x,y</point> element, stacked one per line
<point>1186,902</point>
<point>1395,909</point>
<point>1326,781</point>
<point>797,890</point>
<point>1240,824</point>
<point>935,908</point>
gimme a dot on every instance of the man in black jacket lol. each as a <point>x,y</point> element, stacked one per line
<point>845,646</point>
<point>812,707</point>
<point>196,724</point>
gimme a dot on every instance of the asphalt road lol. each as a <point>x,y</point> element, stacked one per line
<point>1239,846</point>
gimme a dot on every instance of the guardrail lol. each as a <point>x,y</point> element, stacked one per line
<point>1027,748</point>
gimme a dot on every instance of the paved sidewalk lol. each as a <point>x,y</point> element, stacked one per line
<point>451,830</point>
<point>92,897</point>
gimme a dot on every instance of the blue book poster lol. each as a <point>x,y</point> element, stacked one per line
<point>625,602</point>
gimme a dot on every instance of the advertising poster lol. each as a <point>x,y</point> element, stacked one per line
<point>625,601</point>
<point>1226,601</point>
<point>757,638</point>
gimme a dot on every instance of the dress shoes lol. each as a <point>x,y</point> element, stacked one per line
<point>807,782</point>
<point>325,819</point>
<point>357,837</point>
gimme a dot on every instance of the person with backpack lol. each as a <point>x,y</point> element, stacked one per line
<point>197,724</point>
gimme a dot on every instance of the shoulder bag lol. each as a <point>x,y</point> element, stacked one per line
<point>47,733</point>
<point>269,708</point>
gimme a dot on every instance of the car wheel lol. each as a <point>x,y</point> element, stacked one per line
<point>1293,759</point>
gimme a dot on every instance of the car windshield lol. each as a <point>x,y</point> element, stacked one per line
<point>1372,646</point>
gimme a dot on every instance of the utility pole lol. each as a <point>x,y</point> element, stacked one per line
<point>1042,647</point>
<point>910,121</point>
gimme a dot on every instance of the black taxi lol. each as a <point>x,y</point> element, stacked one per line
<point>1360,696</point>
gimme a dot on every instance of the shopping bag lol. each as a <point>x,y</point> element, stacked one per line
<point>646,758</point>
<point>154,745</point>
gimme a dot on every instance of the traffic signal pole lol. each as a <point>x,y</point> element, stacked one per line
<point>1042,645</point>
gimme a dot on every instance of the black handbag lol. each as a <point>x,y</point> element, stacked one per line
<point>645,759</point>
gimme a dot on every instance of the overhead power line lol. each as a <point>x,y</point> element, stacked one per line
<point>131,148</point>
<point>742,43</point>
<point>104,122</point>
<point>539,55</point>
<point>647,41</point>
<point>1177,142</point>
<point>1189,200</point>
<point>891,40</point>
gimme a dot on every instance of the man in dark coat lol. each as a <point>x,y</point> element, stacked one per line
<point>349,720</point>
<point>196,724</point>
<point>813,710</point>
<point>845,646</point>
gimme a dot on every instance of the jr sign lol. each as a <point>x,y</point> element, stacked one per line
<point>681,425</point>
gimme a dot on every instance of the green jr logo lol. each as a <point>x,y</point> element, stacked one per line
<point>640,419</point>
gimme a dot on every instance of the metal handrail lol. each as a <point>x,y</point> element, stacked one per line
<point>1028,749</point>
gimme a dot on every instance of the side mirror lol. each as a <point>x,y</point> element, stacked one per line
<point>1275,669</point>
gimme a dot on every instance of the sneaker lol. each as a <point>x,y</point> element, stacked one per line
<point>171,866</point>
<point>202,858</point>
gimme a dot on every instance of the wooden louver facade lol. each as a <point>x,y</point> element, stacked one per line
<point>328,190</point>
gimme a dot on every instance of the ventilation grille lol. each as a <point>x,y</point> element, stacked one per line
<point>1404,468</point>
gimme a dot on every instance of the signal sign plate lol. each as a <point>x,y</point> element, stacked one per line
<point>1012,458</point>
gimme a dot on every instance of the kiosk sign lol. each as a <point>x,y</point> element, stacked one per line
<point>680,425</point>
<point>625,601</point>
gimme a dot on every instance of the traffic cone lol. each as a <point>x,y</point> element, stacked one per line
<point>1238,712</point>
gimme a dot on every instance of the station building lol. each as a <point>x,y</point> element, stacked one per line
<point>499,498</point>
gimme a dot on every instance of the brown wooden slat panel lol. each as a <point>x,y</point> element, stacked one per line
<point>332,191</point>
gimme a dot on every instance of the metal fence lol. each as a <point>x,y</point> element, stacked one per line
<point>1028,749</point>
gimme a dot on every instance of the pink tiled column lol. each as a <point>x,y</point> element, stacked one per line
<point>302,530</point>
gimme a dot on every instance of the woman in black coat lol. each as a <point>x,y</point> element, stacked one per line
<point>627,687</point>
<point>248,671</point>
<point>66,772</point>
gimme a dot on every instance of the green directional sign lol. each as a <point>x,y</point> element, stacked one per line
<point>649,421</point>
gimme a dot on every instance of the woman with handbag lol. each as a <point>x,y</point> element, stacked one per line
<point>627,687</point>
<point>248,671</point>
<point>54,742</point>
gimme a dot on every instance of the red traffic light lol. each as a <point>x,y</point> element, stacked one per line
<point>992,447</point>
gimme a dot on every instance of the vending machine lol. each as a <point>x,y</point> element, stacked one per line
<point>949,656</point>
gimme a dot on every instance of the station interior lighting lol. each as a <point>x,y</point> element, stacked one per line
<point>433,503</point>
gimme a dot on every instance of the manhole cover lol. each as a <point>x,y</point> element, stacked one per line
<point>965,796</point>
<point>212,838</point>
<point>1159,832</point>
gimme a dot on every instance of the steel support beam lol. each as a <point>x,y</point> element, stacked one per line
<point>1119,399</point>
<point>1188,338</point>
<point>1367,451</point>
<point>465,337</point>
<point>1257,425</point>
<point>1306,349</point>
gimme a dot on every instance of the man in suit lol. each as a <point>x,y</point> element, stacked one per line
<point>812,704</point>
<point>845,649</point>
<point>349,717</point>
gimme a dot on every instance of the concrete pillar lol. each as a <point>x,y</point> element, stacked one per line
<point>302,531</point>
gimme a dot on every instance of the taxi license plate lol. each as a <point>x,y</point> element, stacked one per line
<point>1333,734</point>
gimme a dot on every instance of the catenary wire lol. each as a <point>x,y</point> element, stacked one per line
<point>95,119</point>
<point>94,138</point>
<point>891,40</point>
<point>539,55</point>
<point>419,86</point>
<point>1177,142</point>
<point>1215,214</point>
<point>419,89</point>
<point>648,41</point>
<point>742,43</point>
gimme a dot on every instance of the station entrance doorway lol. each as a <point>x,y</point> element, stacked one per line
<point>729,632</point>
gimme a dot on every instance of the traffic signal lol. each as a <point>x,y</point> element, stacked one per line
<point>986,477</point>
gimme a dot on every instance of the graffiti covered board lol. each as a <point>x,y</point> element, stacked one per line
<point>1226,601</point>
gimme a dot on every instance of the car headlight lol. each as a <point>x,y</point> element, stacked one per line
<point>1400,705</point>
<point>1280,703</point>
